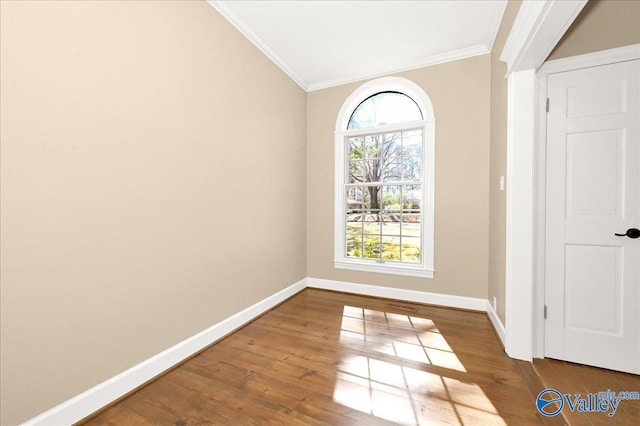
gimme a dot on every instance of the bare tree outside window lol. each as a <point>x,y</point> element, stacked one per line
<point>383,192</point>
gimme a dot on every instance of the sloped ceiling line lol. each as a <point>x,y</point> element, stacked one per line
<point>306,39</point>
<point>253,38</point>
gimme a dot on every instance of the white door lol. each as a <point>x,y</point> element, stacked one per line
<point>592,277</point>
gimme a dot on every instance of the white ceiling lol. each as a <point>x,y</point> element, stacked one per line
<point>325,43</point>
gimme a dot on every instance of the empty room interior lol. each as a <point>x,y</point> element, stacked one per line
<point>319,212</point>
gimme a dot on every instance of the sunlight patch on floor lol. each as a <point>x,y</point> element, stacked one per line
<point>387,388</point>
<point>402,336</point>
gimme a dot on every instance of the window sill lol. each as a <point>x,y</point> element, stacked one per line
<point>385,268</point>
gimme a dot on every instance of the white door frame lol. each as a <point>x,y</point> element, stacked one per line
<point>538,27</point>
<point>604,57</point>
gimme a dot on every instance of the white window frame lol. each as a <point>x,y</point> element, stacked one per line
<point>425,268</point>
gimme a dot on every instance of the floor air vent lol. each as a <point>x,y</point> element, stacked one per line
<point>403,307</point>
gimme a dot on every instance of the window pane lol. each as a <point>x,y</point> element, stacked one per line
<point>356,171</point>
<point>373,170</point>
<point>391,225</point>
<point>412,142</point>
<point>410,250</point>
<point>392,198</point>
<point>391,248</point>
<point>371,247</point>
<point>355,148</point>
<point>384,108</point>
<point>373,146</point>
<point>354,246</point>
<point>410,225</point>
<point>372,224</point>
<point>356,198</point>
<point>391,145</point>
<point>412,170</point>
<point>391,169</point>
<point>354,222</point>
<point>372,198</point>
<point>412,198</point>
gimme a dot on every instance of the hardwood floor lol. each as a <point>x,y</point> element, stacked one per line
<point>570,378</point>
<point>332,358</point>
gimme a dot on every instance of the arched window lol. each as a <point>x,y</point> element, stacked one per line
<point>384,108</point>
<point>385,179</point>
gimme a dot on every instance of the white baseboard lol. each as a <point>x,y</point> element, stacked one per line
<point>101,395</point>
<point>447,300</point>
<point>497,324</point>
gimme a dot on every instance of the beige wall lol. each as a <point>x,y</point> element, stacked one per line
<point>459,92</point>
<point>498,167</point>
<point>153,184</point>
<point>602,24</point>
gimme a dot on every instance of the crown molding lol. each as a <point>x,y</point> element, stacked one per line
<point>495,27</point>
<point>469,52</point>
<point>261,45</point>
<point>456,55</point>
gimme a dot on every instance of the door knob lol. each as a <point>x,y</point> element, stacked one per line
<point>631,233</point>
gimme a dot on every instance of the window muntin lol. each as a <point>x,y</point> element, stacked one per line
<point>383,196</point>
<point>384,193</point>
<point>384,108</point>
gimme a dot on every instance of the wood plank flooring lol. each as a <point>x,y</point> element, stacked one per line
<point>567,377</point>
<point>331,358</point>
